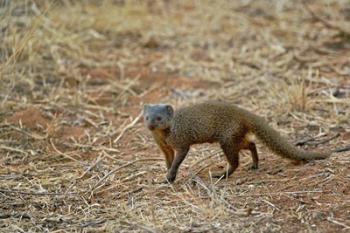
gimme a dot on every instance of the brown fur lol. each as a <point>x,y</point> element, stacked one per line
<point>216,121</point>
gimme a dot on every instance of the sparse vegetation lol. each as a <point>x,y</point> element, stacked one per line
<point>75,156</point>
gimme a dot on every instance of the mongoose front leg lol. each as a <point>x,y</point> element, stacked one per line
<point>231,151</point>
<point>254,153</point>
<point>180,156</point>
<point>168,153</point>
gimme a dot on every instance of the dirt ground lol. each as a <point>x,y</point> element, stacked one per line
<point>76,157</point>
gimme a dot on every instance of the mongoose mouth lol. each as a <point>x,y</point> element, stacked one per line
<point>151,127</point>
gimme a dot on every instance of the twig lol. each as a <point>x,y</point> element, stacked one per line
<point>37,194</point>
<point>246,63</point>
<point>128,127</point>
<point>63,154</point>
<point>33,135</point>
<point>139,225</point>
<point>279,193</point>
<point>269,203</point>
<point>338,223</point>
<point>131,192</point>
<point>305,141</point>
<point>93,223</point>
<point>342,149</point>
<point>12,149</point>
<point>325,22</point>
<point>120,167</point>
<point>325,140</point>
<point>91,166</point>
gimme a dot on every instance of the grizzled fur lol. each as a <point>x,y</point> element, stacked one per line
<point>215,121</point>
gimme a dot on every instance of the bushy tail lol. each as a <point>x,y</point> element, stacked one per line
<point>272,139</point>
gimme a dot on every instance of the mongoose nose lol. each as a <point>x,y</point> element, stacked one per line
<point>151,127</point>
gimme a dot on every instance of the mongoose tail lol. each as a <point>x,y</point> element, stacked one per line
<point>274,141</point>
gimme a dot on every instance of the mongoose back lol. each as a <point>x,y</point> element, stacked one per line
<point>215,121</point>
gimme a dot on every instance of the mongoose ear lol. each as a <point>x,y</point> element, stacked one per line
<point>169,110</point>
<point>145,107</point>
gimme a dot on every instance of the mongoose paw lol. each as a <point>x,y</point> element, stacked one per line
<point>219,175</point>
<point>170,178</point>
<point>253,167</point>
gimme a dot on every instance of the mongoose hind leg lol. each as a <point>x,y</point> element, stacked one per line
<point>255,157</point>
<point>180,156</point>
<point>231,152</point>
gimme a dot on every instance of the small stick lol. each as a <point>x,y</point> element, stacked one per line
<point>269,203</point>
<point>12,149</point>
<point>63,154</point>
<point>307,140</point>
<point>325,140</point>
<point>342,149</point>
<point>304,141</point>
<point>120,167</point>
<point>93,223</point>
<point>246,63</point>
<point>37,194</point>
<point>338,223</point>
<point>33,135</point>
<point>325,22</point>
<point>279,193</point>
<point>97,161</point>
<point>128,127</point>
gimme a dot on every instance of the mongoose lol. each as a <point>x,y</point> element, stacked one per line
<point>215,121</point>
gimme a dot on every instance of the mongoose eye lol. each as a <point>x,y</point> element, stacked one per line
<point>159,118</point>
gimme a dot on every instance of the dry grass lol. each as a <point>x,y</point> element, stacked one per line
<point>75,156</point>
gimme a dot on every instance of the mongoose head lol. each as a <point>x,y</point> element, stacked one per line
<point>157,116</point>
